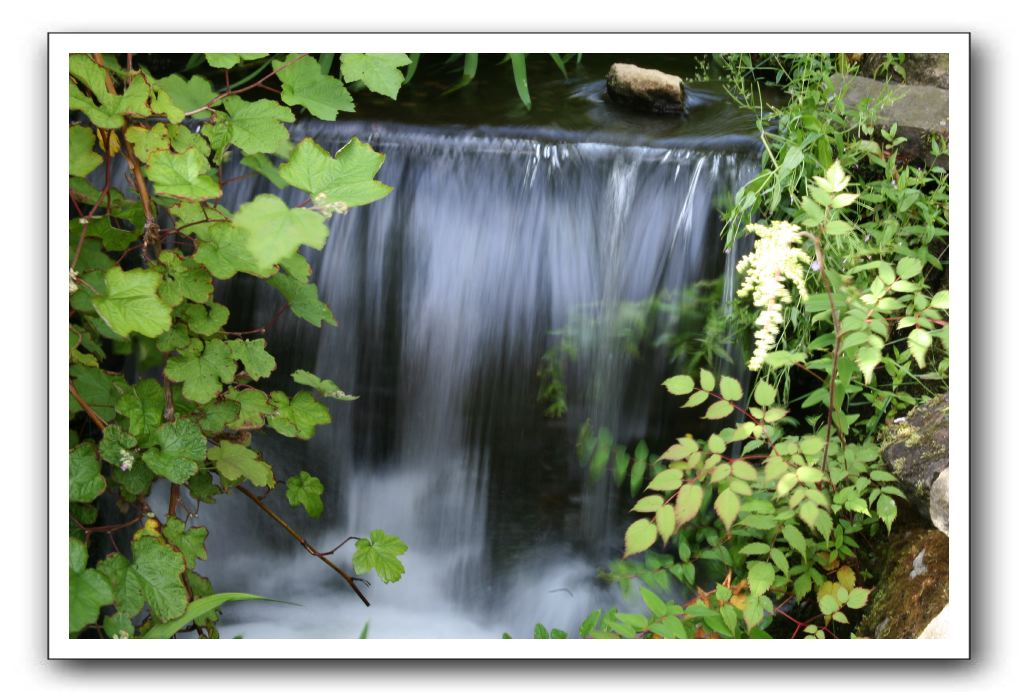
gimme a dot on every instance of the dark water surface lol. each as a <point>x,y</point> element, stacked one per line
<point>501,225</point>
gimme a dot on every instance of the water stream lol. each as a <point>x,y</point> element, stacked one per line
<point>446,294</point>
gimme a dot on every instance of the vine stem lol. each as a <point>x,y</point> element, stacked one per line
<point>96,418</point>
<point>257,84</point>
<point>304,542</point>
<point>836,353</point>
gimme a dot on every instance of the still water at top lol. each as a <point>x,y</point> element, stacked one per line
<point>447,294</point>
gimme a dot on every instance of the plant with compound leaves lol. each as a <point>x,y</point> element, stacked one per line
<point>159,388</point>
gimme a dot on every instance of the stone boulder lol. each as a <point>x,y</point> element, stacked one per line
<point>918,110</point>
<point>920,68</point>
<point>647,90</point>
<point>913,587</point>
<point>916,450</point>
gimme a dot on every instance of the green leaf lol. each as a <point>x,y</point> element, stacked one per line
<point>125,583</point>
<point>811,445</point>
<point>306,490</point>
<point>687,504</point>
<point>179,447</point>
<point>664,518</point>
<point>251,352</point>
<point>794,538</point>
<point>380,552</point>
<point>760,577</point>
<point>650,503</point>
<point>182,175</point>
<point>941,300</point>
<point>143,407</point>
<point>730,388</point>
<point>227,60</point>
<point>666,481</point>
<point>88,591</point>
<point>196,609</point>
<point>519,65</point>
<point>809,474</point>
<point>303,300</point>
<point>83,157</point>
<point>679,385</point>
<point>118,625</point>
<point>909,267</point>
<point>158,568</point>
<point>857,598</point>
<point>336,183</point>
<point>190,542</point>
<point>86,480</point>
<point>378,71</point>
<point>636,473</point>
<point>764,394</point>
<point>297,417</point>
<point>828,604</point>
<point>706,380</point>
<point>867,358</point>
<point>782,359</point>
<point>203,374</point>
<point>222,248</point>
<point>640,535</point>
<point>727,506</point>
<point>116,445</point>
<point>695,399</point>
<point>887,510</point>
<point>718,410</point>
<point>236,462</point>
<point>919,342</point>
<point>257,126</point>
<point>273,231</point>
<point>304,84</point>
<point>184,279</point>
<point>261,164</point>
<point>77,555</point>
<point>744,470</point>
<point>326,388</point>
<point>188,95</point>
<point>204,320</point>
<point>131,303</point>
<point>654,603</point>
<point>254,406</point>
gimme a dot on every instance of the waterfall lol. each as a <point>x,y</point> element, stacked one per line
<point>446,294</point>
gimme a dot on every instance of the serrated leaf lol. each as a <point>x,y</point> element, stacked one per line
<point>727,506</point>
<point>303,300</point>
<point>143,407</point>
<point>919,342</point>
<point>335,183</point>
<point>887,510</point>
<point>679,385</point>
<point>867,358</point>
<point>88,592</point>
<point>83,157</point>
<point>126,585</point>
<point>257,362</point>
<point>378,71</point>
<point>203,374</point>
<point>131,303</point>
<point>257,126</point>
<point>664,518</point>
<point>380,552</point>
<point>178,448</point>
<point>941,300</point>
<point>304,84</point>
<point>236,462</point>
<point>204,320</point>
<point>666,481</point>
<point>297,417</point>
<point>182,175</point>
<point>273,231</point>
<point>687,504</point>
<point>158,568</point>
<point>184,279</point>
<point>909,267</point>
<point>86,480</point>
<point>744,470</point>
<point>147,141</point>
<point>809,474</point>
<point>695,399</point>
<point>222,249</point>
<point>187,95</point>
<point>326,388</point>
<point>707,380</point>
<point>116,443</point>
<point>828,604</point>
<point>718,410</point>
<point>227,60</point>
<point>764,394</point>
<point>760,577</point>
<point>254,406</point>
<point>857,598</point>
<point>794,538</point>
<point>306,490</point>
<point>650,503</point>
<point>730,388</point>
<point>640,535</point>
<point>189,541</point>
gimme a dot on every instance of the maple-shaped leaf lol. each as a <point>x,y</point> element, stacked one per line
<point>335,183</point>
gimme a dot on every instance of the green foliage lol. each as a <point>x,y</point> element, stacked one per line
<point>766,523</point>
<point>141,285</point>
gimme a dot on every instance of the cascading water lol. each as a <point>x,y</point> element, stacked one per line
<point>446,293</point>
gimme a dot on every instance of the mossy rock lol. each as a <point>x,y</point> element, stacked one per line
<point>913,588</point>
<point>916,450</point>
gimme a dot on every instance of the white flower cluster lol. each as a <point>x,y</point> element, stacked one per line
<point>72,281</point>
<point>775,257</point>
<point>126,460</point>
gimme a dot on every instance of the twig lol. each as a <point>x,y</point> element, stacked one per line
<point>96,418</point>
<point>351,582</point>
